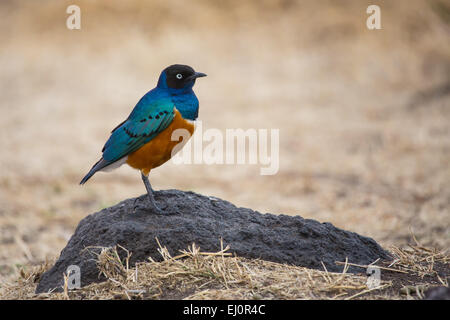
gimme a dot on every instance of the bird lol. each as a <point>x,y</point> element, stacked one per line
<point>144,139</point>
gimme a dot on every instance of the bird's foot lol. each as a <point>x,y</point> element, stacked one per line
<point>147,205</point>
<point>156,209</point>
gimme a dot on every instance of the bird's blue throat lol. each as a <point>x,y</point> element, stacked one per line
<point>187,104</point>
<point>184,98</point>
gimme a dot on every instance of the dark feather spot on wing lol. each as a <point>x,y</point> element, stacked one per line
<point>143,120</point>
<point>157,116</point>
<point>129,133</point>
<point>146,135</point>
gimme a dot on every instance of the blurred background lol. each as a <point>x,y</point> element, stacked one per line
<point>364,115</point>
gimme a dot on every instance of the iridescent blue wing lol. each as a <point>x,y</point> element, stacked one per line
<point>153,113</point>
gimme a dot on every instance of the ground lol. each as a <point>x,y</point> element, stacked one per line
<point>197,275</point>
<point>363,114</point>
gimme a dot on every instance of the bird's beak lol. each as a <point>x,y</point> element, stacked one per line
<point>197,75</point>
<point>200,74</point>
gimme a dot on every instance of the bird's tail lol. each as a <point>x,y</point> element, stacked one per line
<point>98,166</point>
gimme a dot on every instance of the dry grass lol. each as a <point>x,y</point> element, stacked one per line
<point>204,275</point>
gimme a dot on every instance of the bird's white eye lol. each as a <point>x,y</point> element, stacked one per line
<point>179,76</point>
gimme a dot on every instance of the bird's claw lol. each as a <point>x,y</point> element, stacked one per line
<point>157,210</point>
<point>147,206</point>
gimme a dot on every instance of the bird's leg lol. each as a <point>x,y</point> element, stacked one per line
<point>151,198</point>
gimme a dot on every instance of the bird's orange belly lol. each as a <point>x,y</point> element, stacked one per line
<point>159,149</point>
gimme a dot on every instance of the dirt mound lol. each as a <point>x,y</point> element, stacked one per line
<point>193,218</point>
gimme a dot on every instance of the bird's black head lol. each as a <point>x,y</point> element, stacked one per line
<point>180,76</point>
